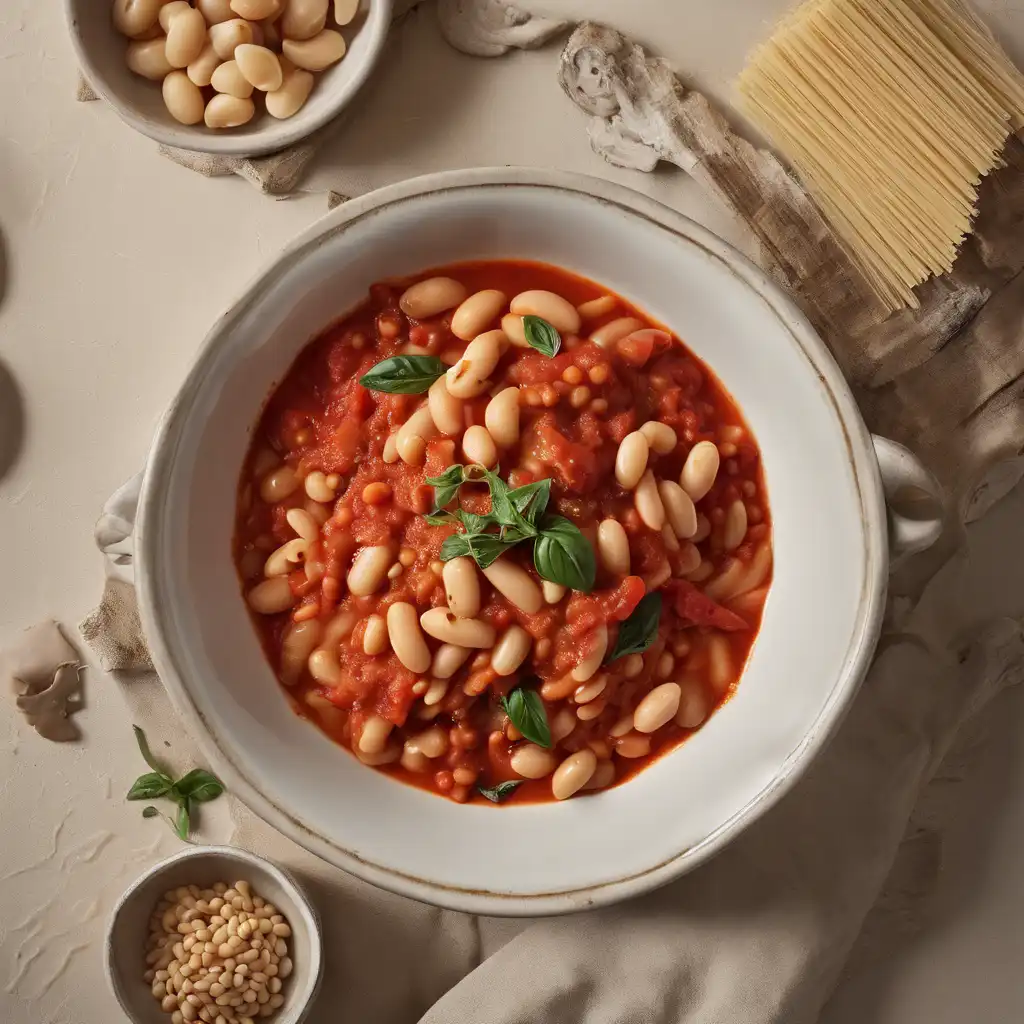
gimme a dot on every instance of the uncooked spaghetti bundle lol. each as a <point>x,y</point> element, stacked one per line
<point>891,111</point>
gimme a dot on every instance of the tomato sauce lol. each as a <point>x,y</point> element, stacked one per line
<point>320,455</point>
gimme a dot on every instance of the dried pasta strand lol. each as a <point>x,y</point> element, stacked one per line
<point>892,112</point>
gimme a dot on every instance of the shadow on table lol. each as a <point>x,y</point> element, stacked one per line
<point>12,405</point>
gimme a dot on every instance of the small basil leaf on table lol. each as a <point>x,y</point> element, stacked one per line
<point>496,794</point>
<point>181,821</point>
<point>150,812</point>
<point>541,335</point>
<point>525,710</point>
<point>149,786</point>
<point>639,631</point>
<point>147,754</point>
<point>404,375</point>
<point>199,785</point>
<point>563,555</point>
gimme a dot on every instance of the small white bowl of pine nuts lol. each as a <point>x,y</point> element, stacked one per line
<point>214,935</point>
<point>232,77</point>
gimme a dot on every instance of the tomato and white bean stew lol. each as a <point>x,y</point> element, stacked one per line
<point>502,536</point>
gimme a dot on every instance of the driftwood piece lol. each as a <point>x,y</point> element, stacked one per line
<point>945,379</point>
<point>490,28</point>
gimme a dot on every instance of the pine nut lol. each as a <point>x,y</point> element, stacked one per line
<point>442,625</point>
<point>511,650</point>
<point>406,636</point>
<point>369,570</point>
<point>259,66</point>
<point>532,762</point>
<point>573,773</point>
<point>271,596</point>
<point>462,587</point>
<point>596,647</point>
<point>660,436</point>
<point>513,582</point>
<point>657,708</point>
<point>613,547</point>
<point>558,312</point>
<point>597,307</point>
<point>735,525</point>
<point>469,376</point>
<point>228,111</point>
<point>501,417</point>
<point>148,59</point>
<point>648,502</point>
<point>631,460</point>
<point>476,312</point>
<point>700,470</point>
<point>296,85</point>
<point>679,509</point>
<point>445,409</point>
<point>226,35</point>
<point>478,447</point>
<point>304,19</point>
<point>614,330</point>
<point>448,659</point>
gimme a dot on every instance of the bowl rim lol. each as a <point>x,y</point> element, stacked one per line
<point>864,470</point>
<point>308,912</point>
<point>278,134</point>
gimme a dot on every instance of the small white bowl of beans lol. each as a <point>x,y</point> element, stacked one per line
<point>217,936</point>
<point>232,77</point>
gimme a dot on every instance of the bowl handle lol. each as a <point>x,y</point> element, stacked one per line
<point>908,487</point>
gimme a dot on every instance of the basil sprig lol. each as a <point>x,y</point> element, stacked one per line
<point>197,787</point>
<point>501,792</point>
<point>525,710</point>
<point>542,336</point>
<point>561,553</point>
<point>640,630</point>
<point>404,375</point>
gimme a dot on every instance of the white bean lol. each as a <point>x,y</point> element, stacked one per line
<point>478,447</point>
<point>720,667</point>
<point>200,71</point>
<point>391,753</point>
<point>469,376</point>
<point>317,487</point>
<point>587,692</point>
<point>660,436</point>
<point>271,596</point>
<point>511,650</point>
<point>216,11</point>
<point>597,307</point>
<point>186,36</point>
<point>226,35</point>
<point>514,330</point>
<point>553,592</point>
<point>516,584</point>
<point>432,742</point>
<point>693,705</point>
<point>278,484</point>
<point>445,409</point>
<point>297,644</point>
<point>448,659</point>
<point>303,524</point>
<point>413,761</point>
<point>134,17</point>
<point>682,516</point>
<point>648,502</point>
<point>345,11</point>
<point>632,745</point>
<point>757,571</point>
<point>597,647</point>
<point>558,312</point>
<point>615,330</point>
<point>613,547</point>
<point>375,636</point>
<point>657,708</point>
<point>435,692</point>
<point>462,587</point>
<point>374,735</point>
<point>148,59</point>
<point>703,528</point>
<point>228,79</point>
<point>442,625</point>
<point>700,470</point>
<point>573,773</point>
<point>168,11</point>
<point>256,10</point>
<point>603,776</point>
<point>631,460</point>
<point>532,762</point>
<point>286,557</point>
<point>260,67</point>
<point>432,296</point>
<point>295,89</point>
<point>228,111</point>
<point>735,528</point>
<point>369,569</point>
<point>182,98</point>
<point>476,312</point>
<point>413,434</point>
<point>501,417</point>
<point>407,640</point>
<point>304,19</point>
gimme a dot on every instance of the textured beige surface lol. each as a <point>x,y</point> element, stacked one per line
<point>115,262</point>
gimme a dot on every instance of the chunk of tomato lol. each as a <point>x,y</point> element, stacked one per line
<point>696,607</point>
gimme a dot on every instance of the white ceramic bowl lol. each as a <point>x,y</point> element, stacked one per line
<point>128,928</point>
<point>822,615</point>
<point>100,49</point>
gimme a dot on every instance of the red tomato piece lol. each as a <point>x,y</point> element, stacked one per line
<point>698,608</point>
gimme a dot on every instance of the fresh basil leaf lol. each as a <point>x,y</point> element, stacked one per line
<point>455,546</point>
<point>474,523</point>
<point>149,786</point>
<point>503,790</point>
<point>541,335</point>
<point>640,630</point>
<point>446,486</point>
<point>440,518</point>
<point>150,812</point>
<point>563,555</point>
<point>486,548</point>
<point>181,821</point>
<point>199,785</point>
<point>147,754</point>
<point>525,710</point>
<point>531,500</point>
<point>404,375</point>
<point>504,509</point>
